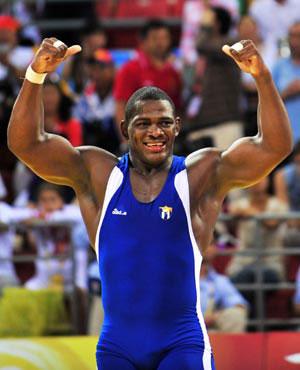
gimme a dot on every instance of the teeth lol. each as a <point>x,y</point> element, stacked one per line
<point>154,144</point>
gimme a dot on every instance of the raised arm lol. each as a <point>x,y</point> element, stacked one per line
<point>249,159</point>
<point>50,156</point>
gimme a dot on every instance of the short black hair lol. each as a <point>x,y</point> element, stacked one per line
<point>47,186</point>
<point>224,19</point>
<point>144,94</point>
<point>152,24</point>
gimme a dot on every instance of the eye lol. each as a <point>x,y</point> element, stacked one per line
<point>142,124</point>
<point>166,123</point>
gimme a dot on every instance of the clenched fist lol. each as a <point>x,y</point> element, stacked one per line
<point>247,58</point>
<point>49,56</point>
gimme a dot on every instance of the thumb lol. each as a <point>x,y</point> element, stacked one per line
<point>74,49</point>
<point>226,50</point>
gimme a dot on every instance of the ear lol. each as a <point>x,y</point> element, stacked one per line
<point>177,125</point>
<point>124,129</point>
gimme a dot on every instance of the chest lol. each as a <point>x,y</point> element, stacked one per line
<point>146,189</point>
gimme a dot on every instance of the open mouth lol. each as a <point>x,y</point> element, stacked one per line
<point>155,147</point>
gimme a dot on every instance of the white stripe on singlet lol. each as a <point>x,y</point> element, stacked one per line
<point>182,187</point>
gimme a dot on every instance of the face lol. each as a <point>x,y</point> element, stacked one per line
<point>8,37</point>
<point>151,132</point>
<point>51,99</point>
<point>294,39</point>
<point>158,42</point>
<point>102,76</point>
<point>92,42</point>
<point>49,201</point>
<point>248,29</point>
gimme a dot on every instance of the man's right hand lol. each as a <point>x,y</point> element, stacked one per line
<point>48,56</point>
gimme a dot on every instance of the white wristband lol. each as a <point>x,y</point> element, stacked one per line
<point>35,78</point>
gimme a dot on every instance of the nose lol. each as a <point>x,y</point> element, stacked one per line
<point>155,131</point>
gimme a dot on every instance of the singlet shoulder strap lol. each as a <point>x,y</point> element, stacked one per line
<point>178,164</point>
<point>123,163</point>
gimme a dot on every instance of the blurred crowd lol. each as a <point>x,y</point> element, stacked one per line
<point>84,101</point>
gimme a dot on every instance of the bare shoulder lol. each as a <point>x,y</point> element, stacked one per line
<point>202,167</point>
<point>92,155</point>
<point>195,159</point>
<point>98,164</point>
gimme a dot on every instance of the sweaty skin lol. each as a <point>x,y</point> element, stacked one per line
<point>150,135</point>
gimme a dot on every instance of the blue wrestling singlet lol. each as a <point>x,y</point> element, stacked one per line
<point>149,268</point>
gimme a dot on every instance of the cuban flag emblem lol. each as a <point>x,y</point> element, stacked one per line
<point>165,212</point>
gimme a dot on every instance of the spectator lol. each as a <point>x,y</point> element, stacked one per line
<point>96,310</point>
<point>54,241</point>
<point>8,215</point>
<point>96,106</point>
<point>287,181</point>
<point>223,307</point>
<point>151,67</point>
<point>297,295</point>
<point>274,18</point>
<point>287,189</point>
<point>243,269</point>
<point>75,70</point>
<point>219,115</point>
<point>192,15</point>
<point>58,118</point>
<point>286,74</point>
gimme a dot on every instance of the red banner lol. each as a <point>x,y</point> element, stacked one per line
<point>239,351</point>
<point>257,351</point>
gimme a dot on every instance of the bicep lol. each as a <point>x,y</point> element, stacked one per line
<point>54,159</point>
<point>245,162</point>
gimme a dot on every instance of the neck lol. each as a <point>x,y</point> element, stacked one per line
<point>103,91</point>
<point>158,61</point>
<point>148,169</point>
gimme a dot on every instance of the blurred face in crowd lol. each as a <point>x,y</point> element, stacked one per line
<point>157,43</point>
<point>294,40</point>
<point>102,75</point>
<point>92,42</point>
<point>248,30</point>
<point>51,99</point>
<point>8,39</point>
<point>49,200</point>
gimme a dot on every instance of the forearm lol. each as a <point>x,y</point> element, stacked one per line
<point>273,122</point>
<point>26,123</point>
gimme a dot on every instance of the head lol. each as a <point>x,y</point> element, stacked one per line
<point>101,69</point>
<point>94,37</point>
<point>56,102</point>
<point>150,126</point>
<point>248,29</point>
<point>294,39</point>
<point>49,198</point>
<point>51,98</point>
<point>156,39</point>
<point>223,20</point>
<point>9,28</point>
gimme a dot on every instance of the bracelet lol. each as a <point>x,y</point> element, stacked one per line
<point>34,77</point>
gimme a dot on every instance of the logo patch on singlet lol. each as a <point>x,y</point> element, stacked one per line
<point>165,212</point>
<point>119,213</point>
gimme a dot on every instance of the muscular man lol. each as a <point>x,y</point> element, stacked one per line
<point>150,214</point>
